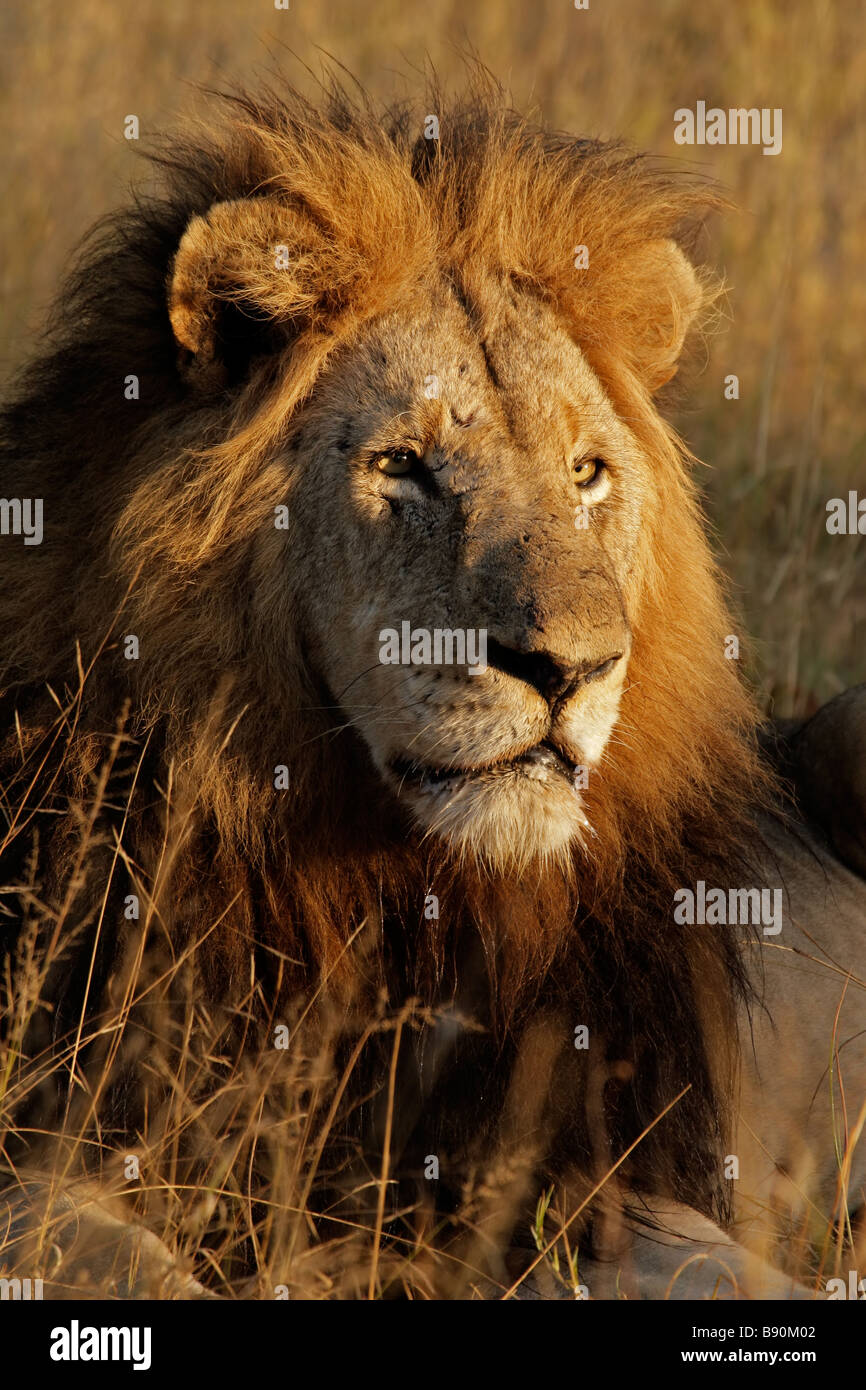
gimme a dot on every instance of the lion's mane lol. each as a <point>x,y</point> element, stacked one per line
<point>167,762</point>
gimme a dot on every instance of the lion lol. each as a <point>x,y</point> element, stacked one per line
<point>370,684</point>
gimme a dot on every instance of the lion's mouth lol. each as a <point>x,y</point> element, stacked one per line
<point>536,763</point>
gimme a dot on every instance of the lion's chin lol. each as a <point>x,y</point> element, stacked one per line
<point>505,820</point>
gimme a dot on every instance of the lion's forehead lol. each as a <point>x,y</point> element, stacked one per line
<point>435,370</point>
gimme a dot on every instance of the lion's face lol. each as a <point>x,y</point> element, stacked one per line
<point>475,485</point>
<point>466,509</point>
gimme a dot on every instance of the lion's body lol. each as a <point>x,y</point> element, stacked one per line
<point>375,387</point>
<point>802,1090</point>
<point>804,1049</point>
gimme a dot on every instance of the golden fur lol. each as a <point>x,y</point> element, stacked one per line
<point>160,523</point>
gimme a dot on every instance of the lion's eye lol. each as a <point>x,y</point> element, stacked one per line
<point>398,462</point>
<point>587,470</point>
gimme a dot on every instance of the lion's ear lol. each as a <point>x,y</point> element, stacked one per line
<point>240,284</point>
<point>661,296</point>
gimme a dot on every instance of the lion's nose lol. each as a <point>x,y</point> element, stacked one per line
<point>554,677</point>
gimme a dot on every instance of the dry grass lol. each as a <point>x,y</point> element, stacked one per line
<point>247,1163</point>
<point>69,75</point>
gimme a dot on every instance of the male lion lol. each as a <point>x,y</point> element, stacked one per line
<point>301,918</point>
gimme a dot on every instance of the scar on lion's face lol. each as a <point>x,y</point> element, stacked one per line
<point>478,509</point>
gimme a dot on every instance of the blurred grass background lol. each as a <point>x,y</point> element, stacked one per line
<point>794,254</point>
